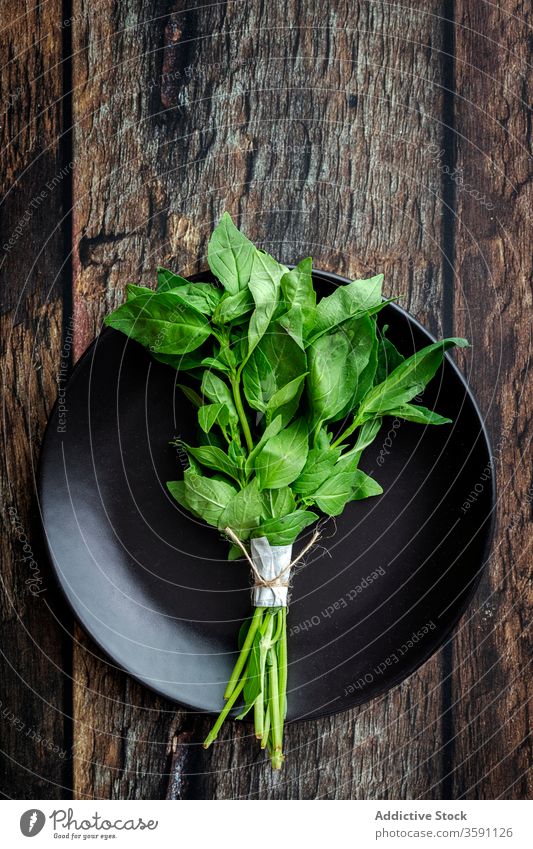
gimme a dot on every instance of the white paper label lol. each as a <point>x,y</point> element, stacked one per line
<point>270,561</point>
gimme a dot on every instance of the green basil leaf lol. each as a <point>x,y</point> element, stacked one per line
<point>243,511</point>
<point>293,322</point>
<point>168,280</point>
<point>276,361</point>
<point>419,414</point>
<point>236,454</point>
<point>233,307</point>
<point>178,491</point>
<point>332,496</point>
<point>348,462</point>
<point>286,399</point>
<point>271,430</point>
<point>365,377</point>
<point>407,380</point>
<point>327,388</point>
<point>161,322</point>
<point>389,357</point>
<point>216,390</point>
<point>227,355</point>
<point>234,553</point>
<point>264,285</point>
<point>364,486</point>
<point>297,287</point>
<point>210,414</point>
<point>367,434</point>
<point>192,396</point>
<point>319,467</point>
<point>299,295</point>
<point>182,362</point>
<point>198,296</point>
<point>230,255</point>
<point>206,497</point>
<point>283,456</point>
<point>334,493</point>
<point>239,343</point>
<point>216,363</point>
<point>246,710</point>
<point>285,530</point>
<point>323,439</point>
<point>336,361</point>
<point>372,311</point>
<point>203,297</point>
<point>257,380</point>
<point>345,302</point>
<point>132,291</point>
<point>277,502</point>
<point>213,458</point>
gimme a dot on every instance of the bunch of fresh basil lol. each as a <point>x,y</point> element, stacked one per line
<point>290,389</point>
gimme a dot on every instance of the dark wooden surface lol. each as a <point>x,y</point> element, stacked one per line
<point>376,136</point>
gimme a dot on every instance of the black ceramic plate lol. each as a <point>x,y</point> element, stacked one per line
<point>154,589</point>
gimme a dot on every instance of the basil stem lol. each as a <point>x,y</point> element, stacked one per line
<point>245,651</point>
<point>259,716</point>
<point>211,737</point>
<point>266,721</point>
<point>275,717</point>
<point>262,680</point>
<point>348,432</point>
<point>265,642</point>
<point>235,385</point>
<point>282,664</point>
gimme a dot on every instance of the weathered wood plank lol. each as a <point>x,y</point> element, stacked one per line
<point>492,651</point>
<point>315,129</point>
<point>35,660</point>
<point>125,738</point>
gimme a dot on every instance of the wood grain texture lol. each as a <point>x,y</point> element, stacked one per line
<point>314,131</point>
<point>493,301</point>
<point>35,659</point>
<point>125,738</point>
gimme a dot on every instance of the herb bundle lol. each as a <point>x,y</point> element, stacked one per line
<point>290,390</point>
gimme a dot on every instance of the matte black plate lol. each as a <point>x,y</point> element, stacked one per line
<point>154,589</point>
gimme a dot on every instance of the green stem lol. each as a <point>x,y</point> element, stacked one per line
<point>223,713</point>
<point>279,625</point>
<point>348,432</point>
<point>265,641</point>
<point>235,385</point>
<point>277,742</point>
<point>268,632</point>
<point>316,432</point>
<point>259,716</point>
<point>266,627</point>
<point>282,665</point>
<point>266,722</point>
<point>245,651</point>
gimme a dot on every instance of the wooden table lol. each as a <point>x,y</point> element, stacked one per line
<point>376,136</point>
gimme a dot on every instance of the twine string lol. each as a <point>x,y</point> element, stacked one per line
<point>277,581</point>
